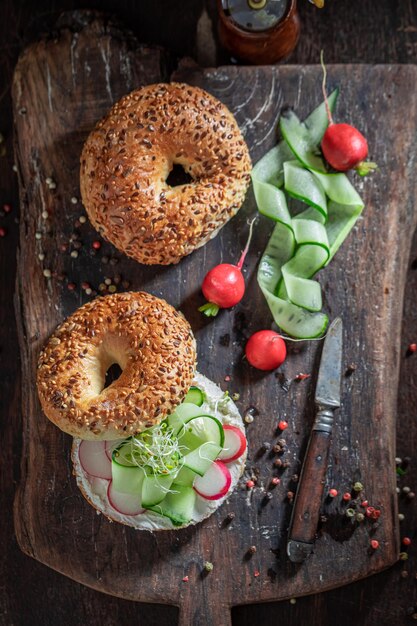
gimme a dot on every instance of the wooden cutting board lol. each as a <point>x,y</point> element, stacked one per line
<point>62,86</point>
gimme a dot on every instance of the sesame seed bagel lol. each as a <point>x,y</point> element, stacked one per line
<point>153,345</point>
<point>127,158</point>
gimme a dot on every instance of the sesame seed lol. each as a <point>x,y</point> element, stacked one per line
<point>74,200</point>
<point>82,219</point>
<point>47,273</point>
<point>74,254</point>
<point>41,256</point>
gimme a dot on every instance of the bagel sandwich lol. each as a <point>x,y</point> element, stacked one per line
<point>163,462</point>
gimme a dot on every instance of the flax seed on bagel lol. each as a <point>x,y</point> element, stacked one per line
<point>128,156</point>
<point>153,345</point>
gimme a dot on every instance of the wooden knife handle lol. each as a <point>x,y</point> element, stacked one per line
<point>305,516</point>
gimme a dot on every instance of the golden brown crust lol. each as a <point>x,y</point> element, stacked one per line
<point>128,156</point>
<point>147,337</point>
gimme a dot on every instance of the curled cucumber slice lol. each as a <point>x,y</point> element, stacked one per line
<point>195,396</point>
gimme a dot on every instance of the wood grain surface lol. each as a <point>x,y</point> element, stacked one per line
<point>56,103</point>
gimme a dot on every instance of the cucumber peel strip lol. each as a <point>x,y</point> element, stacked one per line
<point>300,245</point>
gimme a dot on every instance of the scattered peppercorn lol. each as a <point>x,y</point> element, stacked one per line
<point>412,347</point>
<point>290,495</point>
<point>252,550</point>
<point>285,464</point>
<point>411,495</point>
<point>406,541</point>
<point>404,573</point>
<point>333,493</point>
<point>282,425</point>
<point>350,369</point>
<point>350,512</point>
<point>275,481</point>
<point>360,517</point>
<point>358,487</point>
<point>96,245</point>
<point>278,463</point>
<point>7,208</point>
<point>208,567</point>
<point>2,231</point>
<point>227,378</point>
<point>294,478</point>
<point>403,556</point>
<point>374,544</point>
<point>230,517</point>
<point>301,376</point>
<point>346,496</point>
<point>266,446</point>
<point>71,286</point>
<point>185,579</point>
<point>250,484</point>
<point>256,573</point>
<point>282,442</point>
<point>364,503</point>
<point>277,449</point>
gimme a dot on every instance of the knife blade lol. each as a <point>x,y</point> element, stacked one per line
<point>307,503</point>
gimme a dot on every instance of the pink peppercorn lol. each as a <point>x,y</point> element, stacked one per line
<point>412,347</point>
<point>406,541</point>
<point>2,232</point>
<point>250,484</point>
<point>347,497</point>
<point>374,544</point>
<point>275,481</point>
<point>71,286</point>
<point>282,425</point>
<point>96,245</point>
<point>333,493</point>
<point>7,208</point>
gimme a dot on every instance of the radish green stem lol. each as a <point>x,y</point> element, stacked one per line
<point>323,86</point>
<point>245,251</point>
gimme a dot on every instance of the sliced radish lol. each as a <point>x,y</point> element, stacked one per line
<point>94,459</point>
<point>124,503</point>
<point>234,444</point>
<point>110,446</point>
<point>215,483</point>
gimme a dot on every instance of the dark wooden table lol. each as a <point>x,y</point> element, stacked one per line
<point>356,31</point>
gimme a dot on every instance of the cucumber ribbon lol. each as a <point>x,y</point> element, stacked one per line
<point>179,449</point>
<point>302,242</point>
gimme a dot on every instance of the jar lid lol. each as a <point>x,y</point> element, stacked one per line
<point>255,15</point>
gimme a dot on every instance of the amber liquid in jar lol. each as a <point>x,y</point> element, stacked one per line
<point>258,31</point>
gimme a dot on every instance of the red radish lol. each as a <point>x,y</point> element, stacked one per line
<point>234,444</point>
<point>343,146</point>
<point>266,350</point>
<point>215,483</point>
<point>124,503</point>
<point>224,285</point>
<point>110,446</point>
<point>94,459</point>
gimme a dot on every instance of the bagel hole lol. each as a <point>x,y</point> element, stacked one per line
<point>178,176</point>
<point>112,374</point>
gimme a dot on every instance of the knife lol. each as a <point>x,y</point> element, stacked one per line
<point>308,499</point>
